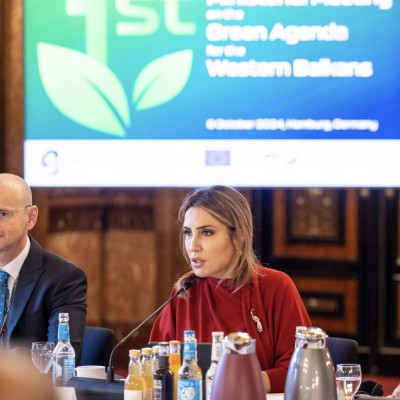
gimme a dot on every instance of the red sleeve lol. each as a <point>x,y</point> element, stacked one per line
<point>287,312</point>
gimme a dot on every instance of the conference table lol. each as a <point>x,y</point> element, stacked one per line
<point>98,389</point>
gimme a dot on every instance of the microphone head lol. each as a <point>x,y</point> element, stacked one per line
<point>187,285</point>
<point>188,282</point>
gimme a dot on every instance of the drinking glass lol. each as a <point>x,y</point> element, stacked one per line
<point>42,355</point>
<point>348,379</point>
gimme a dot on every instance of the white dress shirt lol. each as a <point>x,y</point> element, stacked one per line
<point>14,267</point>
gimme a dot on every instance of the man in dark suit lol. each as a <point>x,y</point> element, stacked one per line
<point>40,284</point>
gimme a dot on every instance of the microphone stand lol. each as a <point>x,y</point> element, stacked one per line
<point>110,370</point>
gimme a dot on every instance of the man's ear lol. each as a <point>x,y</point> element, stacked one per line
<point>33,216</point>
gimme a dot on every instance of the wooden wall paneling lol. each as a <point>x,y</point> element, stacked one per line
<point>290,237</point>
<point>397,275</point>
<point>110,234</point>
<point>41,229</point>
<point>388,272</point>
<point>75,233</point>
<point>394,280</point>
<point>11,81</point>
<point>2,91</point>
<point>397,333</point>
<point>170,261</point>
<point>84,249</point>
<point>129,276</point>
<point>398,234</point>
<point>331,302</point>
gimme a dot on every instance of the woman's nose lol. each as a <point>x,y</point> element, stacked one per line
<point>194,244</point>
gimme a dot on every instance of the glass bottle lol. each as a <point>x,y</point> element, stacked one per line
<point>155,357</point>
<point>190,378</point>
<point>216,352</point>
<point>147,371</point>
<point>64,353</point>
<point>175,362</point>
<point>135,385</point>
<point>163,376</point>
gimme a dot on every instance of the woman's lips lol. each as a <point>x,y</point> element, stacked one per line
<point>197,262</point>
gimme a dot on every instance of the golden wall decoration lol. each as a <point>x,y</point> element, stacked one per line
<point>315,223</point>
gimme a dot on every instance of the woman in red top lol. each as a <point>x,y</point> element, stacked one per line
<point>231,292</point>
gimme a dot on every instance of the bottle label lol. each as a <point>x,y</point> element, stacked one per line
<point>68,369</point>
<point>133,394</point>
<point>157,389</point>
<point>63,331</point>
<point>189,389</point>
<point>216,351</point>
<point>189,351</point>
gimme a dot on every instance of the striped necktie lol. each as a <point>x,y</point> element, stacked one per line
<point>3,295</point>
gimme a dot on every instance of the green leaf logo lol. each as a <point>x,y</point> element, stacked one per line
<point>162,79</point>
<point>84,89</point>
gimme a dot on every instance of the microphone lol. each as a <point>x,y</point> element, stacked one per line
<point>185,285</point>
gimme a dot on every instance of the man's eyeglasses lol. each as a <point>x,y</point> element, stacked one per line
<point>7,214</point>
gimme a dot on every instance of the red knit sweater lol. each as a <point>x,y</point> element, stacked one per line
<point>273,298</point>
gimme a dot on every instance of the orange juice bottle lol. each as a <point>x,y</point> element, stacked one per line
<point>175,362</point>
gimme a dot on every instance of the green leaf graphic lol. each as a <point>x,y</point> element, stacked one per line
<point>162,79</point>
<point>83,89</point>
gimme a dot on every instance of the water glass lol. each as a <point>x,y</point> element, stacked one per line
<point>42,355</point>
<point>348,379</point>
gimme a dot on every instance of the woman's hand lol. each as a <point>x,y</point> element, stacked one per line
<point>267,383</point>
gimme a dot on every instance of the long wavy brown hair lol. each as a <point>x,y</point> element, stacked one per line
<point>232,209</point>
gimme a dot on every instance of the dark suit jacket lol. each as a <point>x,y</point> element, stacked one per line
<point>47,285</point>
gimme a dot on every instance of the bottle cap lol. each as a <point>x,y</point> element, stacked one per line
<point>63,317</point>
<point>134,353</point>
<point>164,349</point>
<point>174,346</point>
<point>217,334</point>
<point>147,351</point>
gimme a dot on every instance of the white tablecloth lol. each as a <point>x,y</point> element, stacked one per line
<point>275,396</point>
<point>66,393</point>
